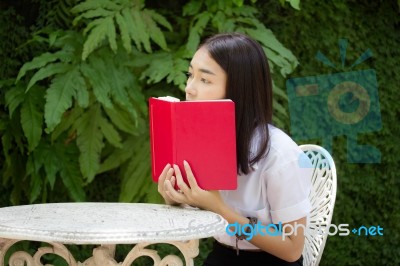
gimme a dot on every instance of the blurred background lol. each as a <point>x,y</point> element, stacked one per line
<point>75,78</point>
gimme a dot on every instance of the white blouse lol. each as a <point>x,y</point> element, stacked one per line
<point>278,188</point>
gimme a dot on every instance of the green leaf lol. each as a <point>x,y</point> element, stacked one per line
<point>279,107</point>
<point>136,175</point>
<point>197,30</point>
<point>119,156</point>
<point>70,175</point>
<point>160,19</point>
<point>32,118</point>
<point>134,33</point>
<point>238,3</point>
<point>14,97</point>
<point>94,4</point>
<point>94,13</point>
<point>268,39</point>
<point>101,29</point>
<point>111,34</point>
<point>192,8</point>
<point>123,29</point>
<point>122,120</point>
<point>59,96</point>
<point>97,75</point>
<point>68,120</point>
<point>141,33</point>
<point>51,167</point>
<point>159,68</point>
<point>154,31</point>
<point>295,4</point>
<point>110,133</point>
<point>39,62</point>
<point>48,71</point>
<point>36,187</point>
<point>90,142</point>
<point>279,91</point>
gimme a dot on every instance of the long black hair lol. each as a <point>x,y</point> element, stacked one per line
<point>249,86</point>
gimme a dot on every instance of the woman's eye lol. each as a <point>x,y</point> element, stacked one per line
<point>189,75</point>
<point>205,81</point>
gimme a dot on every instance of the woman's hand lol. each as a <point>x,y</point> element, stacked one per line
<point>193,195</point>
<point>165,178</point>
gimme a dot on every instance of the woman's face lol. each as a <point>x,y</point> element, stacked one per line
<point>206,79</point>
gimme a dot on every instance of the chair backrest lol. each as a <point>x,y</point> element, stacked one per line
<point>322,197</point>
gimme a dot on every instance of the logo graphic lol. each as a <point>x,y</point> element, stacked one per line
<point>344,103</point>
<point>285,230</point>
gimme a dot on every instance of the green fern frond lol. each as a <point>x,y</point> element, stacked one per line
<point>82,94</point>
<point>197,29</point>
<point>32,117</point>
<point>267,39</point>
<point>166,65</point>
<point>35,187</point>
<point>159,19</point>
<point>47,156</point>
<point>155,32</point>
<point>94,13</point>
<point>124,31</point>
<point>122,119</point>
<point>192,8</point>
<point>47,71</point>
<point>59,96</point>
<point>279,91</point>
<point>90,142</point>
<point>38,62</point>
<point>137,174</point>
<point>279,107</point>
<point>14,97</point>
<point>159,67</point>
<point>121,79</point>
<point>139,101</point>
<point>96,75</point>
<point>96,36</point>
<point>141,31</point>
<point>111,34</point>
<point>119,156</point>
<point>132,28</point>
<point>70,173</point>
<point>109,132</point>
<point>67,121</point>
<point>177,74</point>
<point>95,4</point>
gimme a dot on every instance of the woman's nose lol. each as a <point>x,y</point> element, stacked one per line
<point>190,88</point>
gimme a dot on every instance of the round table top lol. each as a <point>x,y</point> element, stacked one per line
<point>107,223</point>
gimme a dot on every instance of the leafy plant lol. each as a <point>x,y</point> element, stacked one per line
<point>80,107</point>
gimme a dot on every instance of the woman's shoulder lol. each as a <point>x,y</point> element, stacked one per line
<point>280,139</point>
<point>282,147</point>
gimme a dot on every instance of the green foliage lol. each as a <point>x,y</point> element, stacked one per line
<point>78,107</point>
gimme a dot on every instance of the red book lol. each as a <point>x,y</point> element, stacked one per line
<point>200,132</point>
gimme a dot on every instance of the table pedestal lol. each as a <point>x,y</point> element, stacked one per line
<point>102,255</point>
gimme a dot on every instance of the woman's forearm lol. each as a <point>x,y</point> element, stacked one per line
<point>288,248</point>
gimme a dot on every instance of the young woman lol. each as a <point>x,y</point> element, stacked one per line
<point>272,186</point>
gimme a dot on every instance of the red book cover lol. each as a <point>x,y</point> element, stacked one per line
<point>200,132</point>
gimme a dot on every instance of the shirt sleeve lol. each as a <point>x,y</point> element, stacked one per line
<point>288,187</point>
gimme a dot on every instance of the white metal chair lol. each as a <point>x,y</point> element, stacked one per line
<point>322,197</point>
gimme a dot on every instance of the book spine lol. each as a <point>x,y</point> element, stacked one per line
<point>173,133</point>
<point>152,146</point>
